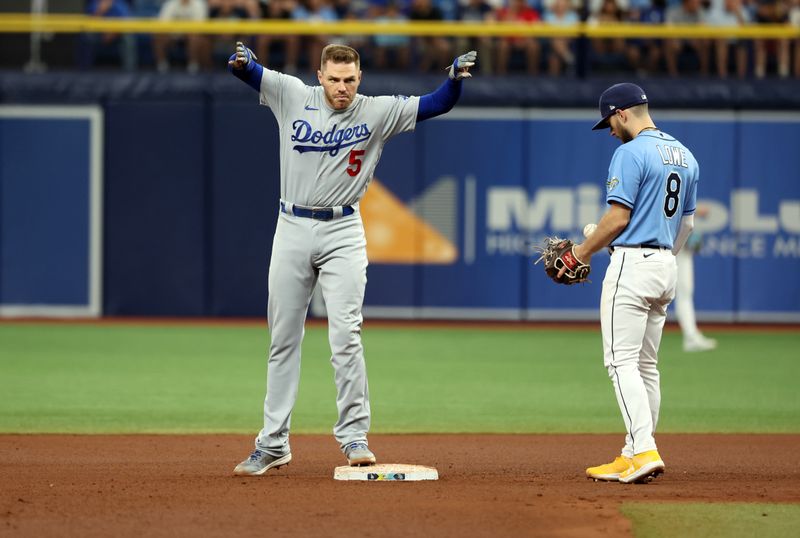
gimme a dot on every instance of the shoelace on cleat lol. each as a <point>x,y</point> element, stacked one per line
<point>256,455</point>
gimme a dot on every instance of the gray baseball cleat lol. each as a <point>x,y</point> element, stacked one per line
<point>260,462</point>
<point>358,454</point>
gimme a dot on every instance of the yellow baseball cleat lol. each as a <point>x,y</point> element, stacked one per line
<point>644,467</point>
<point>610,471</point>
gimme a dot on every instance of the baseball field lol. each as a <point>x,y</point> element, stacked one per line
<point>132,428</point>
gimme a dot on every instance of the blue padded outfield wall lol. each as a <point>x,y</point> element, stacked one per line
<point>191,191</point>
<point>50,210</point>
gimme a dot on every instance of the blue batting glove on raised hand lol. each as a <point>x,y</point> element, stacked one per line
<point>244,57</point>
<point>461,65</point>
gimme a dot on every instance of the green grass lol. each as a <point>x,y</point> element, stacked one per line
<point>704,520</point>
<point>119,378</point>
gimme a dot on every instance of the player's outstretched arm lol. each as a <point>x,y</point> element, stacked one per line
<point>244,66</point>
<point>446,96</point>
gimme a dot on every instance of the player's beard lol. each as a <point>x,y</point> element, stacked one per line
<point>340,101</point>
<point>625,135</point>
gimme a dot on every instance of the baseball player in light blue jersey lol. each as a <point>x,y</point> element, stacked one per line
<point>651,192</point>
<point>330,141</point>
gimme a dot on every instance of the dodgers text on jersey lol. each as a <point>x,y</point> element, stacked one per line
<point>329,142</point>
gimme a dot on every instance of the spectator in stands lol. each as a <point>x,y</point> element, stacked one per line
<point>432,52</point>
<point>145,9</point>
<point>608,12</point>
<point>645,54</point>
<point>450,9</point>
<point>229,10</point>
<point>346,9</point>
<point>195,45</point>
<point>109,47</point>
<point>731,13</point>
<point>596,6</point>
<point>771,12</point>
<point>390,50</point>
<point>310,11</point>
<point>518,11</point>
<point>478,11</point>
<point>543,6</point>
<point>561,57</point>
<point>354,10</point>
<point>794,19</point>
<point>252,8</point>
<point>279,10</point>
<point>688,12</point>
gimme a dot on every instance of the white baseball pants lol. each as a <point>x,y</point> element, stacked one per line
<point>638,286</point>
<point>684,295</point>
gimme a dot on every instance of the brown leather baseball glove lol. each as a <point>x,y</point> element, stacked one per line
<point>558,254</point>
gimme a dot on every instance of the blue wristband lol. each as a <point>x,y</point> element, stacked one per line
<point>251,74</point>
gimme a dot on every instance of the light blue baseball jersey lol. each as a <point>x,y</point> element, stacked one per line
<point>656,176</point>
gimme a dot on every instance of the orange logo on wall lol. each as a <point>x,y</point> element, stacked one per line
<point>396,235</point>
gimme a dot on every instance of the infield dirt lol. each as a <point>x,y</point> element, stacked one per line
<point>490,485</point>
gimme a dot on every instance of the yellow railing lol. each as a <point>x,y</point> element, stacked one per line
<point>26,23</point>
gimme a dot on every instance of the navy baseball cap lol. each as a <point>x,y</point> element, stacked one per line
<point>618,97</point>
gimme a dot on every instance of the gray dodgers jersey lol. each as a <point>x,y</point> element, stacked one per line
<point>328,156</point>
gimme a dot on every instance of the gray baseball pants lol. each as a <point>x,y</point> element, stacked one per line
<point>334,253</point>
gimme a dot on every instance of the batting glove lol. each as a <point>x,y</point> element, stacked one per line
<point>461,65</point>
<point>244,57</point>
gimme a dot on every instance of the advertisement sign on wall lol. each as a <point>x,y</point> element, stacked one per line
<point>517,176</point>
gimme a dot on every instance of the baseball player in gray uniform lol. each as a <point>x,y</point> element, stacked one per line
<point>330,141</point>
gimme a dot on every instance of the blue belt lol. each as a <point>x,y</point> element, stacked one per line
<point>316,213</point>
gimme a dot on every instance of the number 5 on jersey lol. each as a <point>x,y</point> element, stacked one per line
<point>355,162</point>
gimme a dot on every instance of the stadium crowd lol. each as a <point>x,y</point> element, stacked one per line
<point>560,56</point>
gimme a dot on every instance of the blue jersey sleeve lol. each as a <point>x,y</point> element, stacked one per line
<point>440,101</point>
<point>624,177</point>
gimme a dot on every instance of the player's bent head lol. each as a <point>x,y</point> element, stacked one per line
<point>622,96</point>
